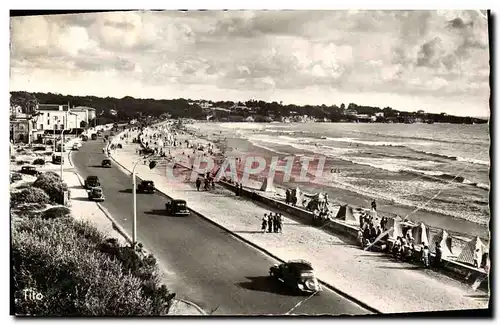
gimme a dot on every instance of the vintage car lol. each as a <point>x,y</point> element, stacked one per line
<point>146,187</point>
<point>177,208</point>
<point>92,181</point>
<point>85,138</point>
<point>57,159</point>
<point>96,194</point>
<point>106,163</point>
<point>93,136</point>
<point>14,177</point>
<point>296,275</point>
<point>30,170</point>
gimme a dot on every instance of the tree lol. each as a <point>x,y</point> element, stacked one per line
<point>83,124</point>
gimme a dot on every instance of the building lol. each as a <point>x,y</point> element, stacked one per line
<point>379,114</point>
<point>58,117</point>
<point>20,129</point>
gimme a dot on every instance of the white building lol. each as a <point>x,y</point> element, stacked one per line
<point>53,116</point>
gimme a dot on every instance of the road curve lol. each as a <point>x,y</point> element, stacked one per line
<point>208,265</point>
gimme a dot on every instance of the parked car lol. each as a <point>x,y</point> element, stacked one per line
<point>296,275</point>
<point>75,146</point>
<point>146,187</point>
<point>93,136</point>
<point>14,177</point>
<point>85,138</point>
<point>39,161</point>
<point>177,208</point>
<point>106,163</point>
<point>57,159</point>
<point>30,170</point>
<point>91,181</point>
<point>96,194</point>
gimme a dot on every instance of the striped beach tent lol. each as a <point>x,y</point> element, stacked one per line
<point>467,253</point>
<point>346,213</point>
<point>444,241</point>
<point>420,234</point>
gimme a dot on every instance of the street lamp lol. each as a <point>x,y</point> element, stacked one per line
<point>152,164</point>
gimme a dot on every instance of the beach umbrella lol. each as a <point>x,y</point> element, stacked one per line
<point>397,229</point>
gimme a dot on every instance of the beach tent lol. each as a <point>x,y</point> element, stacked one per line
<point>346,213</point>
<point>267,185</point>
<point>444,241</point>
<point>467,253</point>
<point>397,230</point>
<point>420,234</point>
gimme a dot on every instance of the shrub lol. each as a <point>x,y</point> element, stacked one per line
<point>51,183</point>
<point>53,258</point>
<point>29,195</point>
<point>56,213</point>
<point>39,161</point>
<point>22,162</point>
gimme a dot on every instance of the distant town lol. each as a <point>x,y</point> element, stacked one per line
<point>33,115</point>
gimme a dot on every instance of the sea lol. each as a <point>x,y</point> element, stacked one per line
<point>434,173</point>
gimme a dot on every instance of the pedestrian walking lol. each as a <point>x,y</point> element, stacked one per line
<point>374,205</point>
<point>198,184</point>
<point>287,199</point>
<point>241,189</point>
<point>280,223</point>
<point>425,256</point>
<point>264,223</point>
<point>270,223</point>
<point>275,223</point>
<point>236,189</point>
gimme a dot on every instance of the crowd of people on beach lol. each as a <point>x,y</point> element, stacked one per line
<point>272,223</point>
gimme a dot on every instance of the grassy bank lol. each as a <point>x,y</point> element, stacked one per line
<point>64,267</point>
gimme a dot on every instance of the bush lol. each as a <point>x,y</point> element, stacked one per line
<point>39,161</point>
<point>51,183</point>
<point>53,258</point>
<point>22,162</point>
<point>56,213</point>
<point>29,195</point>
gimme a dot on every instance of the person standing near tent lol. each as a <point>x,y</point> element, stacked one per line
<point>425,256</point>
<point>477,258</point>
<point>439,255</point>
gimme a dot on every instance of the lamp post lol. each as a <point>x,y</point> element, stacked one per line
<point>134,191</point>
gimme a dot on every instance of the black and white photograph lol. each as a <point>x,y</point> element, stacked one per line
<point>250,163</point>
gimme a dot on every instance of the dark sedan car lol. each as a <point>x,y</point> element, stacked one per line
<point>30,170</point>
<point>92,181</point>
<point>177,208</point>
<point>146,187</point>
<point>296,275</point>
<point>106,163</point>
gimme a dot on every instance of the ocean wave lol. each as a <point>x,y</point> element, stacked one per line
<point>373,143</point>
<point>451,157</point>
<point>257,144</point>
<point>422,138</point>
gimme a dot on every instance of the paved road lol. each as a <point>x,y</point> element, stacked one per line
<point>209,266</point>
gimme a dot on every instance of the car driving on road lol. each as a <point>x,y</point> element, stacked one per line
<point>96,194</point>
<point>106,163</point>
<point>177,208</point>
<point>91,181</point>
<point>146,187</point>
<point>296,275</point>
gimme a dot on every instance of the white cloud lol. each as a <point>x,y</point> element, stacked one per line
<point>429,54</point>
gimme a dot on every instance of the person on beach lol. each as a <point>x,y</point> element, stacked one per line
<point>425,256</point>
<point>374,205</point>
<point>438,256</point>
<point>270,223</point>
<point>477,258</point>
<point>264,223</point>
<point>280,223</point>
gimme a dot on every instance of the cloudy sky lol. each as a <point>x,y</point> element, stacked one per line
<point>437,61</point>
